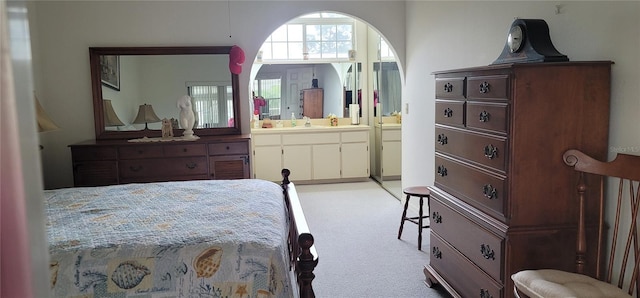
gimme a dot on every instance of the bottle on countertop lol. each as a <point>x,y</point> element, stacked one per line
<point>293,119</point>
<point>256,119</point>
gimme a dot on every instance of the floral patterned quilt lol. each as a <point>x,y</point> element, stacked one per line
<point>208,238</point>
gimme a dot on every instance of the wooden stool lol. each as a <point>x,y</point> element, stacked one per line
<point>415,191</point>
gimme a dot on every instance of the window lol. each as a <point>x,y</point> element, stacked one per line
<point>213,104</point>
<point>270,90</point>
<point>316,36</point>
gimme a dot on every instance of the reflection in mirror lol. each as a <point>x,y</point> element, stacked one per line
<point>156,78</point>
<point>277,88</point>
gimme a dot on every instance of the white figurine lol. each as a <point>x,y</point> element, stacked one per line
<point>167,129</point>
<point>187,117</point>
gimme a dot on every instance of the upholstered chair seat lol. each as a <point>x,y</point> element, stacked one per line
<point>549,283</point>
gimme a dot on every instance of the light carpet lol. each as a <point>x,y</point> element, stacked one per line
<point>355,227</point>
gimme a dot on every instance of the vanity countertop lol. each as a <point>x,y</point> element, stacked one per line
<point>310,129</point>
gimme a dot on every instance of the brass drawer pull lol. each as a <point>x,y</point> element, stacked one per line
<point>442,171</point>
<point>484,293</point>
<point>490,192</point>
<point>487,252</point>
<point>437,218</point>
<point>442,139</point>
<point>448,87</point>
<point>435,251</point>
<point>490,151</point>
<point>448,113</point>
<point>484,116</point>
<point>191,165</point>
<point>485,87</point>
<point>135,168</point>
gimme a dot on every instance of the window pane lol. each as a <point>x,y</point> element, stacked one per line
<point>313,33</point>
<point>343,49</point>
<point>295,50</point>
<point>295,32</point>
<point>328,32</point>
<point>329,50</point>
<point>279,50</point>
<point>344,32</point>
<point>313,49</point>
<point>280,34</point>
<point>266,51</point>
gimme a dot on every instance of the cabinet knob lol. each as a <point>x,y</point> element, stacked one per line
<point>490,192</point>
<point>448,87</point>
<point>485,87</point>
<point>442,139</point>
<point>484,116</point>
<point>437,218</point>
<point>135,168</point>
<point>184,149</point>
<point>448,113</point>
<point>191,165</point>
<point>490,151</point>
<point>442,171</point>
<point>435,251</point>
<point>487,252</point>
<point>484,293</point>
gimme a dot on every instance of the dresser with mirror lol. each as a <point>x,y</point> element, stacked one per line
<point>134,90</point>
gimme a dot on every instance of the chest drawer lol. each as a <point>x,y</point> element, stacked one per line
<point>488,87</point>
<point>480,189</point>
<point>173,167</point>
<point>228,148</point>
<point>131,152</point>
<point>185,150</point>
<point>479,245</point>
<point>93,153</point>
<point>466,278</point>
<point>450,88</point>
<point>450,112</point>
<point>479,148</point>
<point>487,116</point>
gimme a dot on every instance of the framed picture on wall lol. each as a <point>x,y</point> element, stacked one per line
<point>110,74</point>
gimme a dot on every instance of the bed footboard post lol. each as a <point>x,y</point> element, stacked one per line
<point>306,264</point>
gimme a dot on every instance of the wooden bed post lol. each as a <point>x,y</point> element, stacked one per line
<point>301,250</point>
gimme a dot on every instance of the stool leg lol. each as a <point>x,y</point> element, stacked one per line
<point>420,225</point>
<point>404,216</point>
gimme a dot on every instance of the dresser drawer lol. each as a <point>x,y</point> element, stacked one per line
<point>488,87</point>
<point>228,148</point>
<point>133,152</point>
<point>450,112</point>
<point>450,88</point>
<point>174,167</point>
<point>93,153</point>
<point>487,116</point>
<point>185,150</point>
<point>480,189</point>
<point>479,245</point>
<point>466,278</point>
<point>479,148</point>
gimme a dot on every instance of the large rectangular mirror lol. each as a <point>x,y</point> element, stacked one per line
<point>129,80</point>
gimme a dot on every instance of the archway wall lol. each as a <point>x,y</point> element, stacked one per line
<point>260,19</point>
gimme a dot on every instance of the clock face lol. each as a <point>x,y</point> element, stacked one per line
<point>515,40</point>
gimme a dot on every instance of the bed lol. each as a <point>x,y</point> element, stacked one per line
<point>205,238</point>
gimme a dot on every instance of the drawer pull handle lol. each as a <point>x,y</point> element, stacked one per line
<point>484,293</point>
<point>487,252</point>
<point>490,151</point>
<point>448,113</point>
<point>191,165</point>
<point>437,218</point>
<point>442,171</point>
<point>448,87</point>
<point>442,139</point>
<point>184,149</point>
<point>435,251</point>
<point>485,87</point>
<point>135,168</point>
<point>484,116</point>
<point>490,192</point>
<point>140,151</point>
<point>227,147</point>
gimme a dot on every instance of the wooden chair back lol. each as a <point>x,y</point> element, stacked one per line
<point>622,175</point>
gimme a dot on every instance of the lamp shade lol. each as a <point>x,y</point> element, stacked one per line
<point>110,116</point>
<point>146,115</point>
<point>44,122</point>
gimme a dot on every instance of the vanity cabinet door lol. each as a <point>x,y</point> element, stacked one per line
<point>355,160</point>
<point>267,162</point>
<point>297,158</point>
<point>391,153</point>
<point>326,161</point>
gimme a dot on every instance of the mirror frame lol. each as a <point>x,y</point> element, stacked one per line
<point>96,88</point>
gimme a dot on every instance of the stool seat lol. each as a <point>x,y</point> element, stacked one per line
<point>420,192</point>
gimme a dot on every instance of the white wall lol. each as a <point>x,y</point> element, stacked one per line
<point>447,35</point>
<point>64,30</point>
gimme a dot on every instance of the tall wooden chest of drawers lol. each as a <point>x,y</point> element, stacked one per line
<point>117,162</point>
<point>503,200</point>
